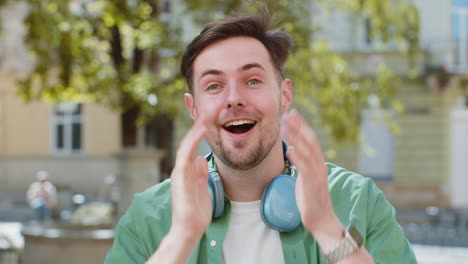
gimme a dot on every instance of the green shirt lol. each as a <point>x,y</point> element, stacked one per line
<point>356,199</point>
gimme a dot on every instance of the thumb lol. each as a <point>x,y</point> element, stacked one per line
<point>292,155</point>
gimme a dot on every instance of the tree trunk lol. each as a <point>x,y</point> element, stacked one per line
<point>158,133</point>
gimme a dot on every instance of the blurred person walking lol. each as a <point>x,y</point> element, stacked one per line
<point>42,196</point>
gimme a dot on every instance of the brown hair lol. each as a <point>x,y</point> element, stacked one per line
<point>276,42</point>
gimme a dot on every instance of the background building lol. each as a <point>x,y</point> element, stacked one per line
<point>426,163</point>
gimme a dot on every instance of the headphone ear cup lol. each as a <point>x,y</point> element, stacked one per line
<point>278,207</point>
<point>216,189</point>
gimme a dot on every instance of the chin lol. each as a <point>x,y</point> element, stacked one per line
<point>242,156</point>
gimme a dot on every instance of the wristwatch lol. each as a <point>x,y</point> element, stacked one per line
<point>351,242</point>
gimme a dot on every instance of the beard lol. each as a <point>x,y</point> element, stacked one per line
<point>245,155</point>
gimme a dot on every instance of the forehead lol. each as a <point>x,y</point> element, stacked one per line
<point>230,55</point>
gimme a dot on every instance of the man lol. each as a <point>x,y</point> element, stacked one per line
<point>42,196</point>
<point>234,70</point>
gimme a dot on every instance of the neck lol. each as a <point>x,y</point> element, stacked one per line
<point>248,185</point>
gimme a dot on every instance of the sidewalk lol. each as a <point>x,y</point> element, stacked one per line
<point>440,255</point>
<point>424,254</point>
<point>14,207</point>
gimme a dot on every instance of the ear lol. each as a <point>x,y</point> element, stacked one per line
<point>190,104</point>
<point>286,95</point>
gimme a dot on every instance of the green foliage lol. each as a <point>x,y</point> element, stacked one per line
<point>122,53</point>
<point>104,51</point>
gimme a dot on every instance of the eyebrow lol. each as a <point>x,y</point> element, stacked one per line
<point>246,67</point>
<point>250,66</point>
<point>210,72</point>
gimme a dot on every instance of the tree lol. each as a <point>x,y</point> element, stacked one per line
<point>125,53</point>
<point>119,53</point>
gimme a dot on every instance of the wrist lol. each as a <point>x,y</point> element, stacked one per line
<point>328,233</point>
<point>184,236</point>
<point>347,248</point>
<point>176,247</point>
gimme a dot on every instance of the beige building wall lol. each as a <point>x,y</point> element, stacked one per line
<point>101,130</point>
<point>24,126</point>
<point>422,159</point>
<point>421,156</point>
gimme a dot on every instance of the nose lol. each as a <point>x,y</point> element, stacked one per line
<point>235,96</point>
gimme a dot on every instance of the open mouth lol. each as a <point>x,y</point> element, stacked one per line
<point>239,126</point>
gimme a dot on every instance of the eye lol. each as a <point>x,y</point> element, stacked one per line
<point>213,87</point>
<point>254,82</point>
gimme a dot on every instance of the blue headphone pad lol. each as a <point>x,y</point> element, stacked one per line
<point>216,189</point>
<point>278,207</point>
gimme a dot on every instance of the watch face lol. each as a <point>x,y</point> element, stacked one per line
<point>355,234</point>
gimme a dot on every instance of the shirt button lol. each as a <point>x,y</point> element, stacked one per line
<point>213,243</point>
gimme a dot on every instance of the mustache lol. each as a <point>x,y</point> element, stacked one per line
<point>237,113</point>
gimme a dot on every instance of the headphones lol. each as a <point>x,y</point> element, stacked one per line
<point>278,206</point>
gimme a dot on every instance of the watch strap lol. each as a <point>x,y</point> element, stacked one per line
<point>345,247</point>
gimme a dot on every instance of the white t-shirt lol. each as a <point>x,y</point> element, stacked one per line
<point>249,239</point>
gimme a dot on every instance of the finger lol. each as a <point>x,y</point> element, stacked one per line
<point>298,133</point>
<point>209,117</point>
<point>201,168</point>
<point>298,126</point>
<point>309,172</point>
<point>292,157</point>
<point>299,161</point>
<point>189,143</point>
<point>305,155</point>
<point>309,151</point>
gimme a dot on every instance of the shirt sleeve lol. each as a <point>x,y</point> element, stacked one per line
<point>385,239</point>
<point>128,247</point>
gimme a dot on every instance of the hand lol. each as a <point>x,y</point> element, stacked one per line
<point>191,201</point>
<point>312,193</point>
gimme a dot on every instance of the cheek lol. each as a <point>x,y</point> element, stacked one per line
<point>208,104</point>
<point>268,102</point>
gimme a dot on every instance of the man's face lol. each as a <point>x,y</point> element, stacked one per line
<point>236,79</point>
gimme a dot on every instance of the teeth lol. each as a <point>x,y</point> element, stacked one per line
<point>239,122</point>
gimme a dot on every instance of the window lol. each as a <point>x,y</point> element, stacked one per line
<point>460,34</point>
<point>377,147</point>
<point>66,129</point>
